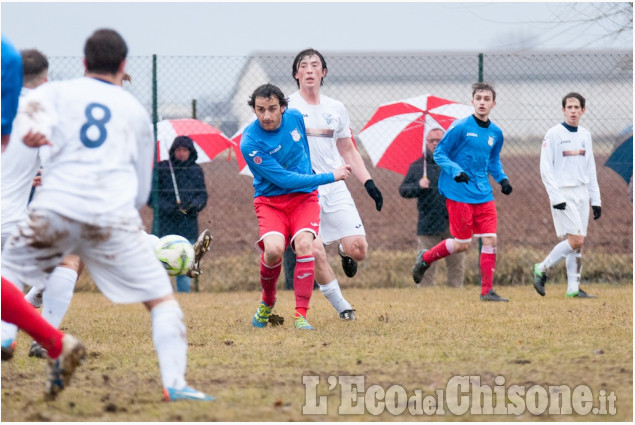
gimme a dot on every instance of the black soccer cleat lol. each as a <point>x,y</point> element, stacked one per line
<point>539,278</point>
<point>580,294</point>
<point>493,296</point>
<point>348,264</point>
<point>348,315</point>
<point>420,267</point>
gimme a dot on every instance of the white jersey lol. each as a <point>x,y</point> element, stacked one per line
<point>567,161</point>
<point>20,164</point>
<point>99,169</point>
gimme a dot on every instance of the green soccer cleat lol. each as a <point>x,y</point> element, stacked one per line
<point>261,318</point>
<point>580,294</point>
<point>301,323</point>
<point>539,278</point>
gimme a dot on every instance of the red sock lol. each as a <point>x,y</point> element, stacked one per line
<point>437,252</point>
<point>303,283</point>
<point>488,264</point>
<point>268,280</point>
<point>17,310</point>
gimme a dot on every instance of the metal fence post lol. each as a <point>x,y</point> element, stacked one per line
<point>155,174</point>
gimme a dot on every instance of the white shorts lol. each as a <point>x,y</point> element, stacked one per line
<point>574,219</point>
<point>121,262</point>
<point>338,215</point>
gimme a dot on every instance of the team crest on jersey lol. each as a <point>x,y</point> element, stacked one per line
<point>295,135</point>
<point>328,118</point>
<point>258,160</point>
<point>490,141</point>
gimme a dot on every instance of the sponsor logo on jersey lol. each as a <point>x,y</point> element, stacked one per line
<point>359,225</point>
<point>577,152</point>
<point>253,153</point>
<point>471,135</point>
<point>275,150</point>
<point>320,132</point>
<point>258,160</point>
<point>490,141</point>
<point>295,135</point>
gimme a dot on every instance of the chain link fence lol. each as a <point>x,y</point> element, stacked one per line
<point>529,88</point>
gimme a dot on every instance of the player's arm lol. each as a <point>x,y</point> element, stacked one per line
<point>547,173</point>
<point>444,149</point>
<point>145,160</point>
<point>593,187</point>
<point>351,156</point>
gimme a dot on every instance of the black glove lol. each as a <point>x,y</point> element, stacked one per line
<point>506,188</point>
<point>461,178</point>
<point>597,212</point>
<point>561,206</point>
<point>374,193</point>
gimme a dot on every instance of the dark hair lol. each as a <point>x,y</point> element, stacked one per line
<point>574,95</point>
<point>303,54</point>
<point>33,62</point>
<point>104,51</point>
<point>268,91</point>
<point>483,86</point>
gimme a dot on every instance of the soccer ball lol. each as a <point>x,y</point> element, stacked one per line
<point>175,253</point>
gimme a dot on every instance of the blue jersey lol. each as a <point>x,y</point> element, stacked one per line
<point>11,83</point>
<point>280,160</point>
<point>474,150</point>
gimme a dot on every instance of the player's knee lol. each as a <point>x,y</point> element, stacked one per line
<point>576,242</point>
<point>357,249</point>
<point>71,262</point>
<point>461,246</point>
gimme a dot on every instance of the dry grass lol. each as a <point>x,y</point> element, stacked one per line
<point>418,338</point>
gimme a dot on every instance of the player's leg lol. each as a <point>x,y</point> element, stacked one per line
<point>461,218</point>
<point>327,282</point>
<point>485,223</point>
<point>57,296</point>
<point>455,265</point>
<point>273,245</point>
<point>303,277</point>
<point>128,276</point>
<point>426,242</point>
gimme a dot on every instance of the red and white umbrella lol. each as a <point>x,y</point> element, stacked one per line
<point>394,136</point>
<point>208,141</point>
<point>242,164</point>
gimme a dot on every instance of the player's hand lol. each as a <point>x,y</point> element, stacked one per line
<point>35,140</point>
<point>374,193</point>
<point>37,181</point>
<point>342,172</point>
<point>424,182</point>
<point>597,211</point>
<point>461,178</point>
<point>506,188</point>
<point>561,206</point>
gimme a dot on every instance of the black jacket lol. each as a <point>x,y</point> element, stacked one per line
<point>433,215</point>
<point>180,219</point>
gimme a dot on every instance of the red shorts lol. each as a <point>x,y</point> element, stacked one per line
<point>287,215</point>
<point>467,220</point>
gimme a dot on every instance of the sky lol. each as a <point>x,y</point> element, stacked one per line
<point>244,28</point>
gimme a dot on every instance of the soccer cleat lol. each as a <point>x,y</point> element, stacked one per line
<point>37,300</point>
<point>539,279</point>
<point>201,246</point>
<point>261,318</point>
<point>185,393</point>
<point>8,348</point>
<point>348,264</point>
<point>580,294</point>
<point>420,267</point>
<point>60,370</point>
<point>348,315</point>
<point>37,350</point>
<point>493,296</point>
<point>301,323</point>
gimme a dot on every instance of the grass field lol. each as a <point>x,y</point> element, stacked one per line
<point>416,338</point>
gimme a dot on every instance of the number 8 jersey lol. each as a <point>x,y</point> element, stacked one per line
<point>99,167</point>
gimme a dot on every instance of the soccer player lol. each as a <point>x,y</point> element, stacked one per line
<point>64,351</point>
<point>467,153</point>
<point>98,173</point>
<point>276,150</point>
<point>330,142</point>
<point>567,169</point>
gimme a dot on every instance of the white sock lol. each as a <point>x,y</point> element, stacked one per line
<point>9,331</point>
<point>333,293</point>
<point>32,297</point>
<point>574,269</point>
<point>557,253</point>
<point>58,294</point>
<point>170,341</point>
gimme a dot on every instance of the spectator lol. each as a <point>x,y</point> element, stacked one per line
<point>182,195</point>
<point>432,226</point>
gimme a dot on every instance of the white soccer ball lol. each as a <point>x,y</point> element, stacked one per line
<point>175,253</point>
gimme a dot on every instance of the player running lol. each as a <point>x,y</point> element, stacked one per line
<point>330,141</point>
